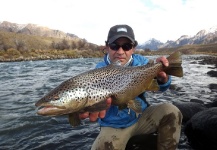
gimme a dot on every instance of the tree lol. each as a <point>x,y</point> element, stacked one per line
<point>81,43</point>
<point>73,45</point>
<point>20,44</point>
<point>65,44</point>
<point>147,50</point>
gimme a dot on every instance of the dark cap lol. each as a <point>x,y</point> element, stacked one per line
<point>118,31</point>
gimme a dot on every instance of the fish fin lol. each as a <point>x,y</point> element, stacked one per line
<point>120,107</point>
<point>175,62</point>
<point>135,106</point>
<point>153,86</point>
<point>137,114</point>
<point>74,119</point>
<point>151,62</point>
<point>97,107</point>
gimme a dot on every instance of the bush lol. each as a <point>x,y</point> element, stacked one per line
<point>13,52</point>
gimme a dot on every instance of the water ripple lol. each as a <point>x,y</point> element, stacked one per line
<point>23,83</point>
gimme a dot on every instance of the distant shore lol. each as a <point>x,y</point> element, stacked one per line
<point>13,55</point>
<point>209,58</point>
<point>37,58</point>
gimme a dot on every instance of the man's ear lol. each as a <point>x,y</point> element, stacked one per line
<point>134,49</point>
<point>135,44</point>
<point>105,49</point>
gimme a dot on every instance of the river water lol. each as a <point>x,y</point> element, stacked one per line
<point>24,83</point>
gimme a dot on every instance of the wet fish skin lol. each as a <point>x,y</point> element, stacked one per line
<point>89,90</point>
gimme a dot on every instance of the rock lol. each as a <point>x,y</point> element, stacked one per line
<point>212,73</point>
<point>189,109</point>
<point>201,130</point>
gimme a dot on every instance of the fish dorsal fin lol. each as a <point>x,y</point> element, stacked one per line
<point>151,62</point>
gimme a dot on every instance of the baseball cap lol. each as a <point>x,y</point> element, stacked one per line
<point>118,31</point>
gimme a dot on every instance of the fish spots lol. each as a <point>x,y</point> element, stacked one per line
<point>77,95</point>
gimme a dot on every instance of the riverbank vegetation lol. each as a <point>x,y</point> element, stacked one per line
<point>22,47</point>
<point>19,47</point>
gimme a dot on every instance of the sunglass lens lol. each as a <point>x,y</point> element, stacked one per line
<point>127,47</point>
<point>114,46</point>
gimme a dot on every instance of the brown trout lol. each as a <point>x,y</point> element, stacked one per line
<point>88,91</point>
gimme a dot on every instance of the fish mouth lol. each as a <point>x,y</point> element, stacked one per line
<point>50,110</point>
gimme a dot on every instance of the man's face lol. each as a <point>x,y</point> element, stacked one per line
<point>116,52</point>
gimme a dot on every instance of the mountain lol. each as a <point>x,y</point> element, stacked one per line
<point>33,29</point>
<point>151,44</point>
<point>205,36</point>
<point>28,37</point>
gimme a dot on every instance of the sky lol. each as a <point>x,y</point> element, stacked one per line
<point>91,19</point>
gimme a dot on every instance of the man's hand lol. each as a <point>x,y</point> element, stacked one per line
<point>94,116</point>
<point>162,76</point>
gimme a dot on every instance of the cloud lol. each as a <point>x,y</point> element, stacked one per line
<point>163,20</point>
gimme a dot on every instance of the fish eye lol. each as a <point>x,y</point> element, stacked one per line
<point>56,97</point>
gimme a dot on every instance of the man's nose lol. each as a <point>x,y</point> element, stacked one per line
<point>120,50</point>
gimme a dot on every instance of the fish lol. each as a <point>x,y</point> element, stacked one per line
<point>88,91</point>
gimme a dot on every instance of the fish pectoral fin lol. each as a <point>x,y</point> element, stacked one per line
<point>74,119</point>
<point>120,107</point>
<point>135,106</point>
<point>102,105</point>
<point>153,86</point>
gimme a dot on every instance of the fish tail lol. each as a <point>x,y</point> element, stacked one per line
<point>175,65</point>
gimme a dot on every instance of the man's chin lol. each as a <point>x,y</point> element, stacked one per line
<point>122,61</point>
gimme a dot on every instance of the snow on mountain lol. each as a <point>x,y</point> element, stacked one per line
<point>151,44</point>
<point>205,36</point>
<point>212,29</point>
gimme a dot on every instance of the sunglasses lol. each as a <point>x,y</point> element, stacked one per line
<point>125,47</point>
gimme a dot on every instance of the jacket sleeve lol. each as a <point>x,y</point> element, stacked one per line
<point>165,86</point>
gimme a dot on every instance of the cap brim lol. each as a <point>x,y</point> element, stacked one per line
<point>111,40</point>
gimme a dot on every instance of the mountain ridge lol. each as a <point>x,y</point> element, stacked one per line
<point>204,36</point>
<point>33,29</point>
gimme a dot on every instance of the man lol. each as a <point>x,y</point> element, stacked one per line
<point>118,126</point>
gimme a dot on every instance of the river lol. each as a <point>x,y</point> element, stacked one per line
<point>24,83</point>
